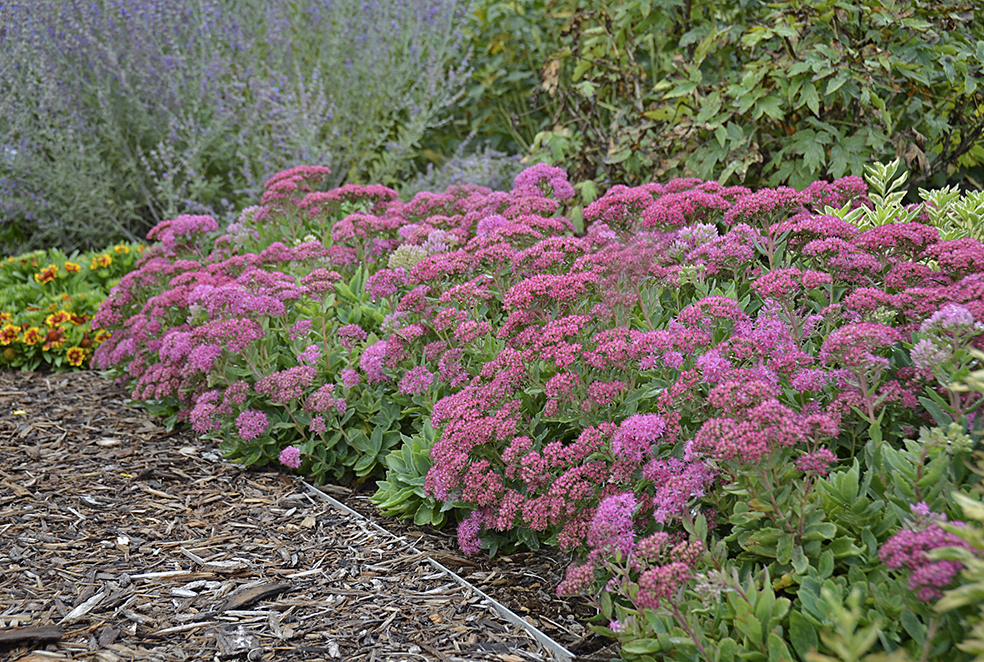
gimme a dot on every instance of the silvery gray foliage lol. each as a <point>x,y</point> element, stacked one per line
<point>116,114</point>
<point>484,167</point>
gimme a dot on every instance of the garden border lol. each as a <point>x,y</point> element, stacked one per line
<point>558,651</point>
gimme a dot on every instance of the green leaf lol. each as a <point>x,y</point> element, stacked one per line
<point>660,114</point>
<point>968,594</point>
<point>344,291</point>
<point>936,412</point>
<point>778,652</point>
<point>811,98</point>
<point>802,634</point>
<point>913,626</point>
<point>770,106</point>
<point>755,35</point>
<point>721,134</point>
<point>364,465</point>
<point>642,647</point>
<point>837,82</point>
<point>747,624</point>
<point>813,155</point>
<point>784,550</point>
<point>424,515</point>
<point>799,560</point>
<point>618,157</point>
<point>826,567</point>
<point>727,650</point>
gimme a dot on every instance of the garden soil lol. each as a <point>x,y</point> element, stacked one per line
<point>120,540</point>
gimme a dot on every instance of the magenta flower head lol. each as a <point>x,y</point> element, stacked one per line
<point>816,463</point>
<point>251,424</point>
<point>853,345</point>
<point>636,436</point>
<point>611,527</point>
<point>468,530</point>
<point>350,377</point>
<point>952,318</point>
<point>416,381</point>
<point>291,457</point>
<point>906,551</point>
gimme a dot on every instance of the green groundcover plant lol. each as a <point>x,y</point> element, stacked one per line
<point>47,301</point>
<point>734,409</point>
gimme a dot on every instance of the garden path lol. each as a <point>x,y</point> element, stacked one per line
<point>122,541</point>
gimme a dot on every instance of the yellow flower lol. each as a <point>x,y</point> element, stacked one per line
<point>58,318</point>
<point>73,268</point>
<point>102,336</point>
<point>54,339</point>
<point>46,275</point>
<point>75,356</point>
<point>122,249</point>
<point>5,317</point>
<point>8,334</point>
<point>32,336</point>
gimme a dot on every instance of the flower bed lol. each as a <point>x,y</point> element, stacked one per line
<point>47,300</point>
<point>713,397</point>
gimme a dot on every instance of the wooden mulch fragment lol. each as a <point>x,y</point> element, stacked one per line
<point>32,635</point>
<point>248,596</point>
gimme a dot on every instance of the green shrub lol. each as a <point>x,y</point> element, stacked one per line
<point>754,93</point>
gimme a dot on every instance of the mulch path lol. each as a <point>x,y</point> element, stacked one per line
<point>122,541</point>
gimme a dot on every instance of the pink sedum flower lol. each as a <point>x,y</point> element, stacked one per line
<point>290,457</point>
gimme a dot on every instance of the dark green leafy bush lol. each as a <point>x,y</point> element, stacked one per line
<point>754,93</point>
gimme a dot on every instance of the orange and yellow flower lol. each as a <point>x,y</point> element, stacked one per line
<point>32,336</point>
<point>122,249</point>
<point>60,317</point>
<point>47,274</point>
<point>5,317</point>
<point>75,356</point>
<point>73,268</point>
<point>79,320</point>
<point>103,260</point>
<point>8,334</point>
<point>54,339</point>
<point>102,336</point>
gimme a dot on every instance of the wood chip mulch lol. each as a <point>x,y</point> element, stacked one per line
<point>122,541</point>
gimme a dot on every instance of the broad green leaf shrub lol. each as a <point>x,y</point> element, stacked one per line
<point>505,105</point>
<point>139,111</point>
<point>47,301</point>
<point>762,94</point>
<point>732,409</point>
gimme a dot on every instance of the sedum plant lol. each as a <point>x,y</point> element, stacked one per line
<point>732,410</point>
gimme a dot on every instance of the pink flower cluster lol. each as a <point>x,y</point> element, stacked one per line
<point>573,369</point>
<point>906,550</point>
